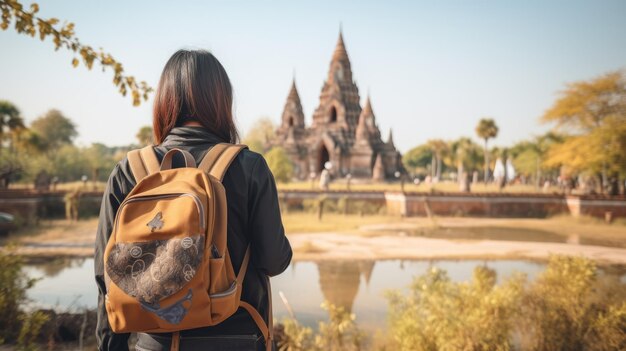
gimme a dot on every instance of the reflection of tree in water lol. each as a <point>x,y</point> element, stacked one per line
<point>52,268</point>
<point>339,280</point>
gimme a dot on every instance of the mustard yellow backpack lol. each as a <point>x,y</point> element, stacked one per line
<point>167,266</point>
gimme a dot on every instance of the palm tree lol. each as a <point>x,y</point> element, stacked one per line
<point>486,129</point>
<point>459,154</point>
<point>10,119</point>
<point>439,149</point>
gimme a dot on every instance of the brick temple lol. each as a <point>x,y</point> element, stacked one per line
<point>341,132</point>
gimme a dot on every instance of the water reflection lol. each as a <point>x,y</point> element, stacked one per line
<point>359,286</point>
<point>340,280</point>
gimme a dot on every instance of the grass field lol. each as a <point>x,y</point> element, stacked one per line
<point>304,222</point>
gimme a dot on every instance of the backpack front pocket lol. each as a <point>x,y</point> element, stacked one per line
<point>151,271</point>
<point>159,245</point>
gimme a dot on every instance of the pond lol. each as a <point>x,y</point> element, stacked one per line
<point>359,286</point>
<point>511,234</point>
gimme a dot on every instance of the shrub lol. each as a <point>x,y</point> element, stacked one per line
<point>280,164</point>
<point>31,327</point>
<point>339,333</point>
<point>568,308</point>
<point>439,314</point>
<point>13,286</point>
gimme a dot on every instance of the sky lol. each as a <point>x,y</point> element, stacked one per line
<point>432,68</point>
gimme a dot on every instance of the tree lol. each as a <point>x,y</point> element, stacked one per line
<point>27,22</point>
<point>99,159</point>
<point>11,168</point>
<point>585,105</point>
<point>486,129</point>
<point>601,151</point>
<point>260,134</point>
<point>279,164</point>
<point>55,129</point>
<point>418,158</point>
<point>144,136</point>
<point>593,113</point>
<point>439,149</point>
<point>466,155</point>
<point>528,156</point>
<point>10,119</point>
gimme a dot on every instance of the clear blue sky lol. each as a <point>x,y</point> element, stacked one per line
<point>433,68</point>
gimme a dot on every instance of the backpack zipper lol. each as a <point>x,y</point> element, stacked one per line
<point>196,199</point>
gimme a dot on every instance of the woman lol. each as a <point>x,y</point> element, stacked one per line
<point>193,111</point>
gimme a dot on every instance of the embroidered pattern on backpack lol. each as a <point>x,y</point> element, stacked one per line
<point>156,222</point>
<point>153,270</point>
<point>172,314</point>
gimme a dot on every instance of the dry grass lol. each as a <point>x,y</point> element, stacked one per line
<point>303,222</point>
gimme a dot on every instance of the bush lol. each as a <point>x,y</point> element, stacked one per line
<point>566,308</point>
<point>439,314</point>
<point>280,164</point>
<point>16,325</point>
<point>339,333</point>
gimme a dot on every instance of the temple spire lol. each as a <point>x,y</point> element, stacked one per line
<point>293,93</point>
<point>390,138</point>
<point>340,53</point>
<point>367,109</point>
<point>293,116</point>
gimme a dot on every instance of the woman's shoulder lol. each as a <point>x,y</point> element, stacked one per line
<point>122,174</point>
<point>251,159</point>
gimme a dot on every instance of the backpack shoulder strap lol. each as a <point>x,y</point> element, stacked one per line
<point>143,162</point>
<point>265,328</point>
<point>219,157</point>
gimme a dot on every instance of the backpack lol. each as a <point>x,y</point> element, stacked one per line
<point>167,265</point>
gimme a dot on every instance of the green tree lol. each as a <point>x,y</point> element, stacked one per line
<point>26,21</point>
<point>279,164</point>
<point>144,136</point>
<point>440,150</point>
<point>11,124</point>
<point>465,154</point>
<point>10,120</point>
<point>260,135</point>
<point>528,156</point>
<point>55,129</point>
<point>11,168</point>
<point>99,159</point>
<point>486,129</point>
<point>418,159</point>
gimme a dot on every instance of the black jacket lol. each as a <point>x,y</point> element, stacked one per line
<point>253,217</point>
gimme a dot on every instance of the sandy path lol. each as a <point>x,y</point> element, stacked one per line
<point>330,246</point>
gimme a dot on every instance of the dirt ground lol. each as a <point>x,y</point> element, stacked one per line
<point>380,237</point>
